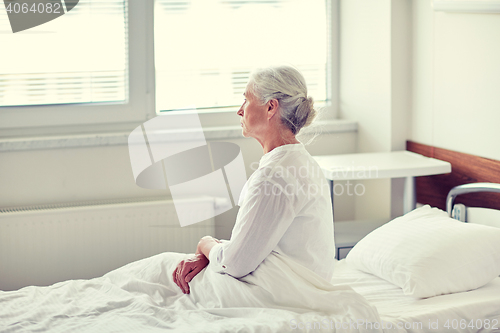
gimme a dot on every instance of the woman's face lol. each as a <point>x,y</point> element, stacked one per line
<point>253,116</point>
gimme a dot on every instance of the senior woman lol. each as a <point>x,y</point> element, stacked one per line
<point>285,205</point>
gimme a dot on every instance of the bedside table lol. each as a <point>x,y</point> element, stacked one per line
<point>348,233</point>
<point>396,164</point>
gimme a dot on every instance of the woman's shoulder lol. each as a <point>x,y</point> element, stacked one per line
<point>295,165</point>
<point>293,170</point>
<point>291,167</point>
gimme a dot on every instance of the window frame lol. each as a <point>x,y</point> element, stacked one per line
<point>88,118</point>
<point>85,117</point>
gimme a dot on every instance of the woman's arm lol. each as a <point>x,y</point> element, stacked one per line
<point>263,219</point>
<point>187,269</point>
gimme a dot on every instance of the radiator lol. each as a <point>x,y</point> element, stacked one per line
<point>48,244</point>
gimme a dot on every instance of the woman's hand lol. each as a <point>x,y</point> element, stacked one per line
<point>205,245</point>
<point>187,269</point>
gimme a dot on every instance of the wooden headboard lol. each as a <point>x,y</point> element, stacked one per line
<point>465,168</point>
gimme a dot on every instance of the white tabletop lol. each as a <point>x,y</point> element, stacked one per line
<point>394,164</point>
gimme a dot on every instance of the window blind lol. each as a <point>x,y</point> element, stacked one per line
<point>205,50</point>
<point>80,57</point>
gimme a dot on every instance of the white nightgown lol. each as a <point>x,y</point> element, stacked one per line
<point>285,207</point>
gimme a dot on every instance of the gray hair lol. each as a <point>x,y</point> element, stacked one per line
<point>288,86</point>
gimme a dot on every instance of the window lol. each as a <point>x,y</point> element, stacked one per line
<point>205,50</point>
<point>97,68</point>
<point>90,70</point>
<point>67,60</point>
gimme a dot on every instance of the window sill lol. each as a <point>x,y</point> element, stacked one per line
<point>121,138</point>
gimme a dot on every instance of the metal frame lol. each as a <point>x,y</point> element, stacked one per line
<point>467,6</point>
<point>468,188</point>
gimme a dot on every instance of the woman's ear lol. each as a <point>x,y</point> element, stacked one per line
<point>272,108</point>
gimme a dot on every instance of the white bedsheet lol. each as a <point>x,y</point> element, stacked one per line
<point>141,297</point>
<point>394,307</point>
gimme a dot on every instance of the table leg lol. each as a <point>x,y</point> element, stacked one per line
<point>330,183</point>
<point>410,195</point>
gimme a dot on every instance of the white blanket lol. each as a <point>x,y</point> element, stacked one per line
<point>280,296</point>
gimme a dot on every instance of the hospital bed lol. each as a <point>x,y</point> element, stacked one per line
<point>378,268</point>
<point>424,309</point>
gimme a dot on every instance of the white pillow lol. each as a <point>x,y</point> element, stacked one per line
<point>427,253</point>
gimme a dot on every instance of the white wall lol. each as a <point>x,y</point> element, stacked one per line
<point>456,80</point>
<point>365,70</point>
<point>375,89</point>
<point>94,173</point>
